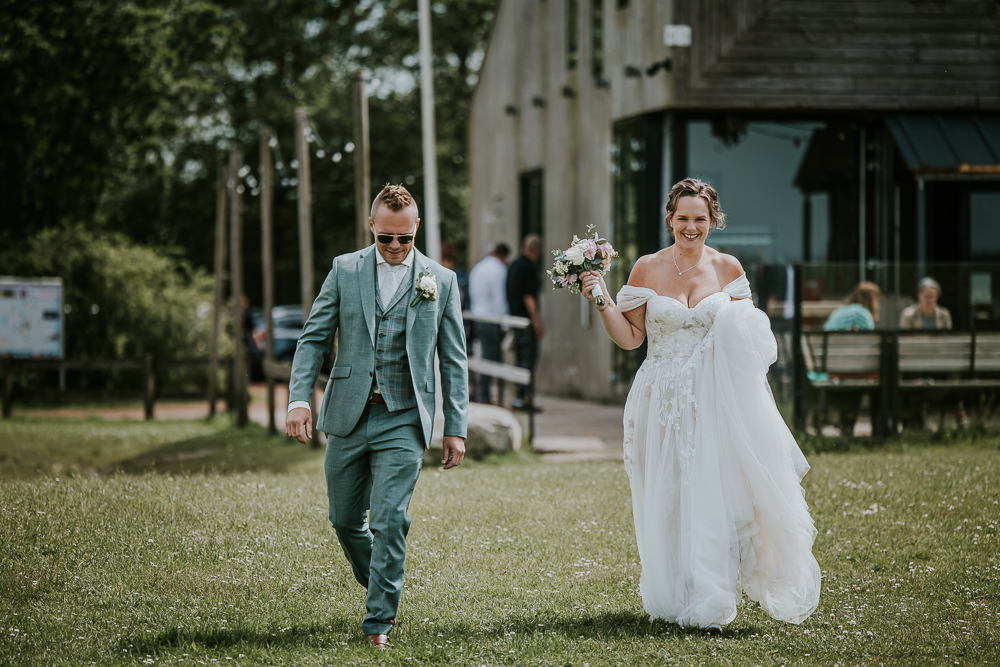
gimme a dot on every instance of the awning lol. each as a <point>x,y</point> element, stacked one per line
<point>957,145</point>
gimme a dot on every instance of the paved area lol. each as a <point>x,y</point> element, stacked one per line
<point>564,429</point>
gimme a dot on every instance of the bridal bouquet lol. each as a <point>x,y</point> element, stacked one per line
<point>588,254</point>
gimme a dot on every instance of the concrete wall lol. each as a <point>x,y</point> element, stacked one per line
<point>563,124</point>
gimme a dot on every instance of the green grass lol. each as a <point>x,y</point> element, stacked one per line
<point>511,561</point>
<point>33,447</point>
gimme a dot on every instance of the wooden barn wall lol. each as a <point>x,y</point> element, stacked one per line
<point>877,54</point>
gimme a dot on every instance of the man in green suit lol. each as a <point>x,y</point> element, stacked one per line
<point>394,309</point>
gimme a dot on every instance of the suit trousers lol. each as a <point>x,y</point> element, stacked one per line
<point>375,468</point>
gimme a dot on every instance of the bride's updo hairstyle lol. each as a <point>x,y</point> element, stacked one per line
<point>694,187</point>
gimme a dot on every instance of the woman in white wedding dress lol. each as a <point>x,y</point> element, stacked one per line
<point>715,473</point>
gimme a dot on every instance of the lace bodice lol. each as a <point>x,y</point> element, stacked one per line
<point>672,329</point>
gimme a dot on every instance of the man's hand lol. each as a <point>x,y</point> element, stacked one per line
<point>453,451</point>
<point>539,328</point>
<point>299,425</point>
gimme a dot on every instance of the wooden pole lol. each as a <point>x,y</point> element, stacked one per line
<point>220,268</point>
<point>7,370</point>
<point>305,210</point>
<point>148,387</point>
<point>267,262</point>
<point>432,230</point>
<point>236,279</point>
<point>362,161</point>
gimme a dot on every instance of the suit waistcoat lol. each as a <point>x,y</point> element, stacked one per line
<point>392,366</point>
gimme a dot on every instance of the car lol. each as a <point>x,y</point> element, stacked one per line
<point>287,323</point>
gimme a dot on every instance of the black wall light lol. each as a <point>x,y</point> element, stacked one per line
<point>665,64</point>
<point>633,72</point>
<point>510,110</point>
<point>538,102</point>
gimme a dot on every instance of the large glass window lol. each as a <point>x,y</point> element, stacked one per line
<point>984,224</point>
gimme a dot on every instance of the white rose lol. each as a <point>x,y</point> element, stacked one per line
<point>575,254</point>
<point>427,284</point>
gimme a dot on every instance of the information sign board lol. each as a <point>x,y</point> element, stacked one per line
<point>31,317</point>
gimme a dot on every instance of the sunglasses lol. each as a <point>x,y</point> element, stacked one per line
<point>386,239</point>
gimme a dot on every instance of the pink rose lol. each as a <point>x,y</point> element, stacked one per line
<point>591,250</point>
<point>606,250</point>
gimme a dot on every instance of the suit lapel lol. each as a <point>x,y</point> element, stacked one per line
<point>419,266</point>
<point>366,284</point>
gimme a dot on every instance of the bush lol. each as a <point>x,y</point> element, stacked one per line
<point>123,301</point>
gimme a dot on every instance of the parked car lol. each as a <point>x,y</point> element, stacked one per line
<point>287,322</point>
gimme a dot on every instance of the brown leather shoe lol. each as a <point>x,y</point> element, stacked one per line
<point>381,641</point>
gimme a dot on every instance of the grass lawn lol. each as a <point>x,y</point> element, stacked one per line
<point>511,561</point>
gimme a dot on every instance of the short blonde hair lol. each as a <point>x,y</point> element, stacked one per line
<point>695,187</point>
<point>396,198</point>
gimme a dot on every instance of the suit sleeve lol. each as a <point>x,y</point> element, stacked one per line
<point>454,364</point>
<point>316,339</point>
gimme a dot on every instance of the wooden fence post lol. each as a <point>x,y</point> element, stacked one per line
<point>305,211</point>
<point>7,368</point>
<point>236,278</point>
<point>220,268</point>
<point>148,387</point>
<point>267,263</point>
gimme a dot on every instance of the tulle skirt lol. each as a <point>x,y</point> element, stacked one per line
<point>715,476</point>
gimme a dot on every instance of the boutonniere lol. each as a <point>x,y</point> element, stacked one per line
<point>427,288</point>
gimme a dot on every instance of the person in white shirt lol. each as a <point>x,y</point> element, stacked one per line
<point>488,296</point>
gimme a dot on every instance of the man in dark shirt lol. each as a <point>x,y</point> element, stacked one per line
<point>522,298</point>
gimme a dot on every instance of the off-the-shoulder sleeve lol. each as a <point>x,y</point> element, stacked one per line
<point>630,298</point>
<point>739,288</point>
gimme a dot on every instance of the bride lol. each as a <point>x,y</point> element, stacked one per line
<point>714,471</point>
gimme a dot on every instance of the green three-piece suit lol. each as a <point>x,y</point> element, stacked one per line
<point>374,451</point>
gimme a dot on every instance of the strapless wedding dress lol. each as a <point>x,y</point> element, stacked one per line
<point>715,472</point>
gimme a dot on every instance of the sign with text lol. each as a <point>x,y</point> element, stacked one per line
<point>31,317</point>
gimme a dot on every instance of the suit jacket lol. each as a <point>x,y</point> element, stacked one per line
<point>911,318</point>
<point>346,303</point>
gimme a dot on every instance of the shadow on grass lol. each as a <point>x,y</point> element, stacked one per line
<point>226,452</point>
<point>602,626</point>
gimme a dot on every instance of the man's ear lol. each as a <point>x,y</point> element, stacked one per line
<point>371,225</point>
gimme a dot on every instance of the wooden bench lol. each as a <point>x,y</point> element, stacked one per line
<point>942,361</point>
<point>843,359</point>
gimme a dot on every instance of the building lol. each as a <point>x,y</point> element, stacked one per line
<point>864,135</point>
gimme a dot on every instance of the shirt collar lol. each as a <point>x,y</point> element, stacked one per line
<point>407,261</point>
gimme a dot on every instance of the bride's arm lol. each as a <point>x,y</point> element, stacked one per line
<point>627,329</point>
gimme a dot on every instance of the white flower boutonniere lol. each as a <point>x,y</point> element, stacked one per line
<point>427,288</point>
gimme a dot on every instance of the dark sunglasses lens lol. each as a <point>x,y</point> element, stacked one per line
<point>386,239</point>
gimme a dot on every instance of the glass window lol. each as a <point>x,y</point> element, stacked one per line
<point>572,33</point>
<point>597,38</point>
<point>984,225</point>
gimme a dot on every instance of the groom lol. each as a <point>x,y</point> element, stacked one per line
<point>394,308</point>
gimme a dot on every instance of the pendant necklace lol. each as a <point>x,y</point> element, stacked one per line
<point>679,272</point>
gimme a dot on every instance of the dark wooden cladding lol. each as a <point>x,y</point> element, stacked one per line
<point>773,54</point>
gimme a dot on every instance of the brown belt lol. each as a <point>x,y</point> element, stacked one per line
<point>376,399</point>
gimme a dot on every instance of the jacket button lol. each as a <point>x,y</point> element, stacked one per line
<point>381,335</point>
<point>370,374</point>
<point>378,351</point>
<point>378,368</point>
<point>385,317</point>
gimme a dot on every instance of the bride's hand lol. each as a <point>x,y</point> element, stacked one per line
<point>591,278</point>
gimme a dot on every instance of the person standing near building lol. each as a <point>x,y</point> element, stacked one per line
<point>488,296</point>
<point>522,299</point>
<point>393,308</point>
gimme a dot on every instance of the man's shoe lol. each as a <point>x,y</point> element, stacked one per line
<point>381,641</point>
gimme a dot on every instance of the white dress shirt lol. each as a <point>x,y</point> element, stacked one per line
<point>390,276</point>
<point>488,287</point>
